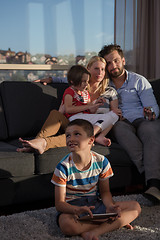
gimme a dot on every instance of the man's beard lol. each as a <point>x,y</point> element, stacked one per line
<point>116,74</point>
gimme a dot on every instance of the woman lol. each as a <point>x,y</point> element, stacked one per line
<point>98,85</point>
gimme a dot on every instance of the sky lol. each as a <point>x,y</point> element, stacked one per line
<point>56,27</point>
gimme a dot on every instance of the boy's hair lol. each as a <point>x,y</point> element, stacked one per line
<point>86,125</point>
<point>107,49</point>
<point>75,74</point>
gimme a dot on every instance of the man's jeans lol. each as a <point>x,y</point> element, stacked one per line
<point>141,140</point>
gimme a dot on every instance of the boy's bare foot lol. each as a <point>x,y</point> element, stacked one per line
<point>89,236</point>
<point>129,226</point>
<point>37,144</point>
<point>103,141</point>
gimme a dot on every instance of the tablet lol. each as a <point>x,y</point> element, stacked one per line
<point>97,216</point>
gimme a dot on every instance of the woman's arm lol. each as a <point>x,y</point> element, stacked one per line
<point>114,104</point>
<point>114,107</point>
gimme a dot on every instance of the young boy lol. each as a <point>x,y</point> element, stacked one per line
<point>82,187</point>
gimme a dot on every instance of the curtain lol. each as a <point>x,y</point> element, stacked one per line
<point>137,30</point>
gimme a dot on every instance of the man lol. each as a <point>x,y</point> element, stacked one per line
<point>138,132</point>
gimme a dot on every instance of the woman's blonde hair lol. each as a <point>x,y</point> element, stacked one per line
<point>104,83</point>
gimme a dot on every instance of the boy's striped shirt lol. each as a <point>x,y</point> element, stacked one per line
<point>81,183</point>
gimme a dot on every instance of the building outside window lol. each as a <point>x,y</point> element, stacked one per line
<point>51,35</point>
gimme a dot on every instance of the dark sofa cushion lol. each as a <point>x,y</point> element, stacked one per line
<point>14,164</point>
<point>47,162</point>
<point>18,190</point>
<point>125,173</point>
<point>3,127</point>
<point>7,147</point>
<point>27,106</point>
<point>60,87</point>
<point>33,188</point>
<point>156,88</point>
<point>7,189</point>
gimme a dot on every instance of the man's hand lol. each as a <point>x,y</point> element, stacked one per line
<point>149,113</point>
<point>45,81</point>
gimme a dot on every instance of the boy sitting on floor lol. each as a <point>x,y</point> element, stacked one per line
<point>82,187</point>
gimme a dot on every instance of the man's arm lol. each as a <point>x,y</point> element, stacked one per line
<point>45,81</point>
<point>48,80</point>
<point>147,96</point>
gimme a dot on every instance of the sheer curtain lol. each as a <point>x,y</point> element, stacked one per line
<point>137,30</point>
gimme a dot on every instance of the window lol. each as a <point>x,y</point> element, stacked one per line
<point>54,32</point>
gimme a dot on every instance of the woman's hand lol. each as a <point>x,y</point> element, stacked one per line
<point>93,106</point>
<point>100,100</point>
<point>118,112</point>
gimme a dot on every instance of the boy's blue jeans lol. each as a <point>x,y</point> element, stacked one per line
<point>87,201</point>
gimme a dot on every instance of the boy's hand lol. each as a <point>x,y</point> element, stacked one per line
<point>84,209</point>
<point>114,208</point>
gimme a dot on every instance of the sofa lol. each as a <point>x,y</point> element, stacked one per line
<point>26,177</point>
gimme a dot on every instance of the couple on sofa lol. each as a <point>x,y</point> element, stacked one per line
<point>139,129</point>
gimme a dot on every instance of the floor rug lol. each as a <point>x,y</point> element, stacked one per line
<point>41,224</point>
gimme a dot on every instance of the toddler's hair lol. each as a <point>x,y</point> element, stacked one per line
<point>75,75</point>
<point>86,125</point>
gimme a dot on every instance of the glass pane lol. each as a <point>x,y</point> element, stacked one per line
<point>55,27</point>
<point>59,32</point>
